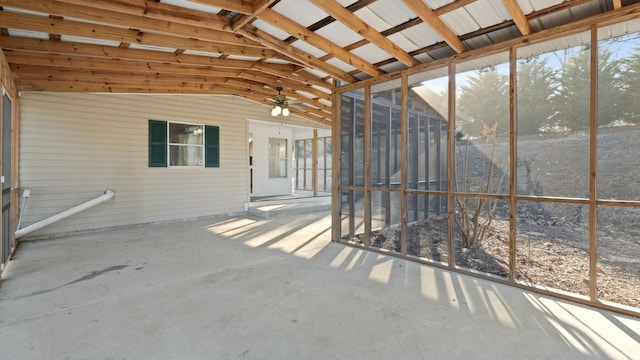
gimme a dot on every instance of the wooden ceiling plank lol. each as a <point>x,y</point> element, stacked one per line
<point>62,9</point>
<point>433,21</point>
<point>278,20</point>
<point>518,16</point>
<point>74,28</point>
<point>82,49</point>
<point>356,24</point>
<point>160,11</point>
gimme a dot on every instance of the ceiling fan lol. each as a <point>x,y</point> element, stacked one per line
<point>281,103</point>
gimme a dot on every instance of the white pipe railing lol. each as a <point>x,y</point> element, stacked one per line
<point>108,194</point>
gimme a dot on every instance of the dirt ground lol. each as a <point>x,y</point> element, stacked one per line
<point>552,239</point>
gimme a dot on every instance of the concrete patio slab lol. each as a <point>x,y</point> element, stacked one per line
<point>245,287</point>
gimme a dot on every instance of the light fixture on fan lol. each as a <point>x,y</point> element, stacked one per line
<point>281,106</point>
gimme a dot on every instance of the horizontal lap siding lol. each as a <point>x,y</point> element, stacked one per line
<point>74,146</point>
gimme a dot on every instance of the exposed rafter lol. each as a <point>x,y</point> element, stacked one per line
<point>430,18</point>
<point>518,16</point>
<point>336,10</point>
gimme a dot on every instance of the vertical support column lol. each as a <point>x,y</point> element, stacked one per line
<point>367,165</point>
<point>593,162</point>
<point>451,161</point>
<point>387,170</point>
<point>512,161</point>
<point>403,162</point>
<point>336,196</point>
<point>314,163</point>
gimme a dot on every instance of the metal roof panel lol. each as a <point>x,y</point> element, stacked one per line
<point>338,33</point>
<point>371,53</point>
<point>460,22</point>
<point>302,11</point>
<point>393,12</point>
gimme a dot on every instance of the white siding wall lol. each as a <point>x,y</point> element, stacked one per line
<point>74,146</point>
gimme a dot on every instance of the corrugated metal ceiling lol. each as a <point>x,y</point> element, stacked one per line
<point>305,62</point>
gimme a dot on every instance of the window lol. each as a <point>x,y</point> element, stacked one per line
<point>183,145</point>
<point>277,158</point>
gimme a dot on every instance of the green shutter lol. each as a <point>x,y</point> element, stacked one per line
<point>157,143</point>
<point>211,146</point>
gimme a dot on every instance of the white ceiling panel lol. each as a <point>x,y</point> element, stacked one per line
<point>28,34</point>
<point>372,19</point>
<point>301,11</point>
<point>402,41</point>
<point>151,47</point>
<point>460,22</point>
<point>192,5</point>
<point>421,35</point>
<point>84,40</point>
<point>341,65</point>
<point>487,12</point>
<point>371,53</point>
<point>247,58</point>
<point>270,29</point>
<point>202,53</point>
<point>538,4</point>
<point>308,48</point>
<point>339,34</point>
<point>619,29</point>
<point>394,66</point>
<point>435,4</point>
<point>393,12</point>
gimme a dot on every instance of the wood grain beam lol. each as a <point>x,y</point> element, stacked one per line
<point>103,51</point>
<point>285,23</point>
<point>433,21</point>
<point>241,20</point>
<point>102,16</point>
<point>239,6</point>
<point>160,11</point>
<point>296,54</point>
<point>18,60</point>
<point>356,24</point>
<point>617,4</point>
<point>94,31</point>
<point>518,16</point>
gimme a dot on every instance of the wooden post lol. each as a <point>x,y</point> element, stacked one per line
<point>366,152</point>
<point>512,161</point>
<point>593,162</point>
<point>404,90</point>
<point>336,196</point>
<point>451,161</point>
<point>314,163</point>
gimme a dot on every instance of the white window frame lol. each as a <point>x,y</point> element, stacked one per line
<point>279,162</point>
<point>170,144</point>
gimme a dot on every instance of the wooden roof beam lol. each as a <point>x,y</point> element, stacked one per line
<point>94,31</point>
<point>103,51</point>
<point>160,11</point>
<point>518,16</point>
<point>242,19</point>
<point>239,6</point>
<point>102,16</point>
<point>356,24</point>
<point>280,46</point>
<point>432,20</point>
<point>278,20</point>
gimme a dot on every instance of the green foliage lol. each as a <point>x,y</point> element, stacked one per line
<point>631,83</point>
<point>484,99</point>
<point>537,82</point>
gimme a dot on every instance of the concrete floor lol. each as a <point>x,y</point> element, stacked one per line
<point>246,287</point>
